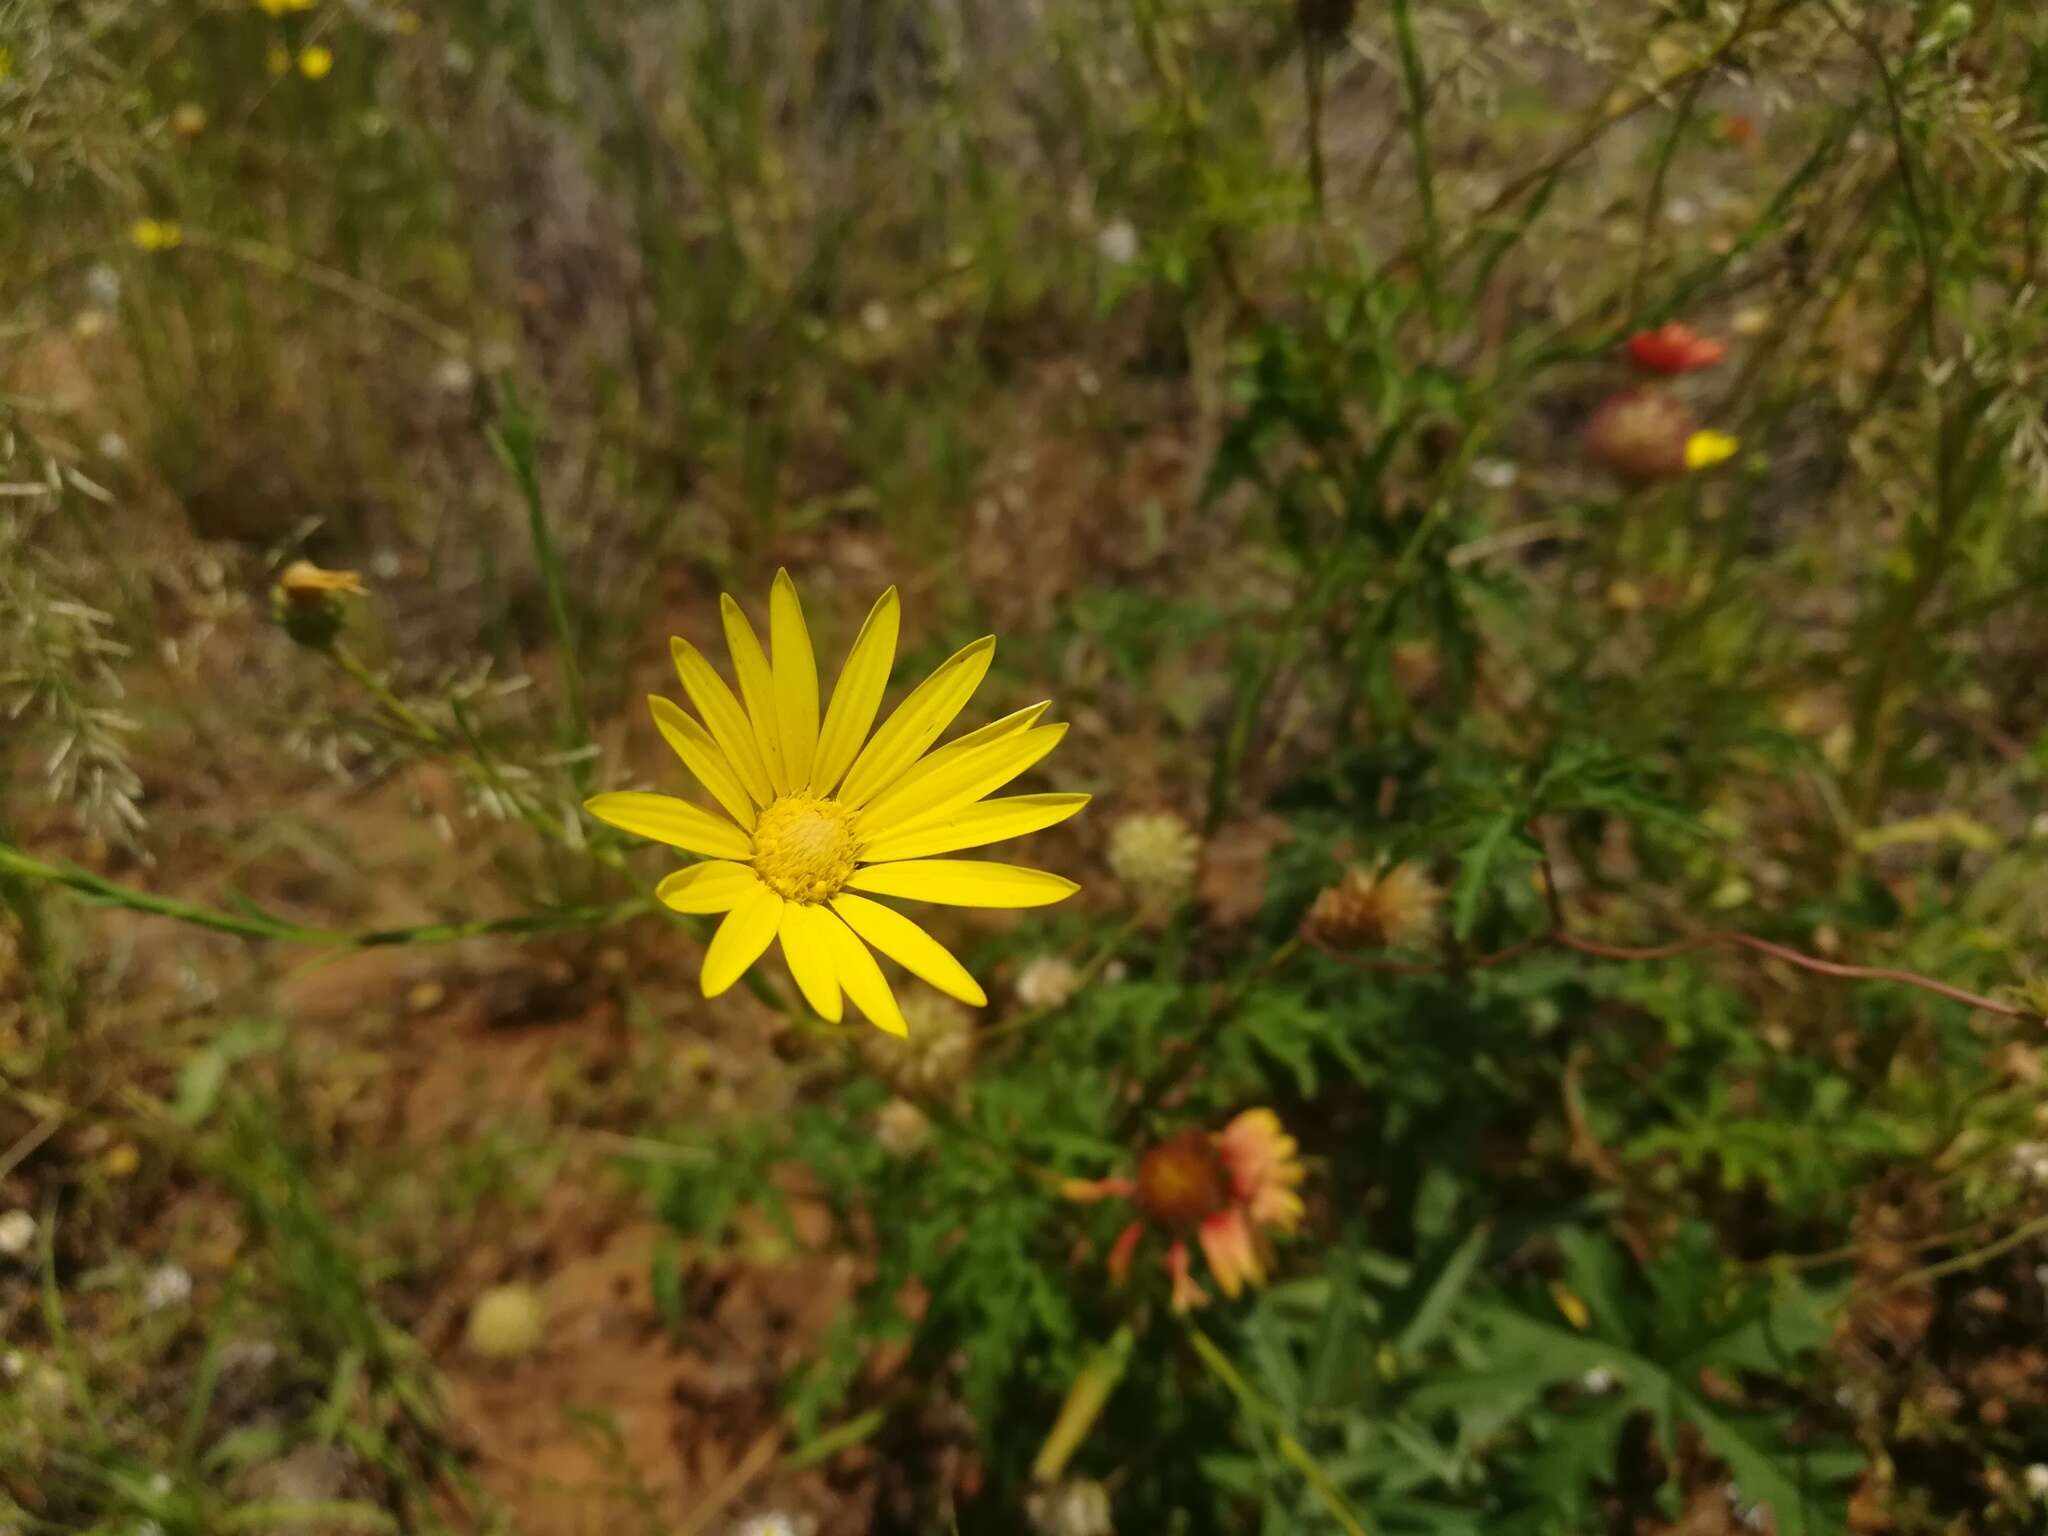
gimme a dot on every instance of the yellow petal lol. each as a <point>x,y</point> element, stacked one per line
<point>757,687</point>
<point>675,822</point>
<point>861,977</point>
<point>949,754</point>
<point>935,786</point>
<point>721,712</point>
<point>909,946</point>
<point>918,722</point>
<point>746,931</point>
<point>716,886</point>
<point>808,948</point>
<point>970,826</point>
<point>964,883</point>
<point>701,755</point>
<point>796,680</point>
<point>858,696</point>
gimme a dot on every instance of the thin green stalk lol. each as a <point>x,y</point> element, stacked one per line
<point>252,923</point>
<point>513,440</point>
<point>1292,1451</point>
<point>1431,254</point>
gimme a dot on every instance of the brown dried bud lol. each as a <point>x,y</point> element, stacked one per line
<point>1371,910</point>
<point>1641,434</point>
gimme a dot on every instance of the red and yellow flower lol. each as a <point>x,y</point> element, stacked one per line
<point>1230,1189</point>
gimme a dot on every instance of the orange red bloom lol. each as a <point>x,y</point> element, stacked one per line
<point>1674,348</point>
<point>1230,1190</point>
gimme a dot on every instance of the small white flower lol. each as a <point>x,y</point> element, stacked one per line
<point>12,1364</point>
<point>1118,242</point>
<point>2036,1478</point>
<point>168,1285</point>
<point>454,376</point>
<point>874,317</point>
<point>103,285</point>
<point>1599,1381</point>
<point>2030,1162</point>
<point>112,446</point>
<point>774,1523</point>
<point>1496,474</point>
<point>159,1484</point>
<point>17,1233</point>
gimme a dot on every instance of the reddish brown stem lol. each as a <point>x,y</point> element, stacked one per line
<point>1561,937</point>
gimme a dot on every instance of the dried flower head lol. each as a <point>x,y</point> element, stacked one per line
<point>1372,909</point>
<point>935,1055</point>
<point>17,1233</point>
<point>902,1129</point>
<point>1155,854</point>
<point>1640,434</point>
<point>1673,349</point>
<point>1075,1506</point>
<point>1230,1190</point>
<point>168,1285</point>
<point>507,1321</point>
<point>1047,982</point>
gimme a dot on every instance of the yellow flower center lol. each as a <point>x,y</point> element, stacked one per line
<point>804,847</point>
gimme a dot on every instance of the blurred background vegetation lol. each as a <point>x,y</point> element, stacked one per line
<point>1258,371</point>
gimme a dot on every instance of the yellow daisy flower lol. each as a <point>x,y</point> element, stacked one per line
<point>820,823</point>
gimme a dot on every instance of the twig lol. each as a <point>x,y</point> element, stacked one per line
<point>1559,936</point>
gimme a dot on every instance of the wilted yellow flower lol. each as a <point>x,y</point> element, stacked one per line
<point>1155,854</point>
<point>1703,450</point>
<point>121,1161</point>
<point>316,62</point>
<point>156,234</point>
<point>818,819</point>
<point>306,601</point>
<point>188,120</point>
<point>303,581</point>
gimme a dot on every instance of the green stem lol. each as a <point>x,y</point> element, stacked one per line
<point>253,923</point>
<point>512,440</point>
<point>1431,254</point>
<point>1292,1451</point>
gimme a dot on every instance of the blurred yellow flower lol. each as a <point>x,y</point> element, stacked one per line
<point>283,7</point>
<point>817,818</point>
<point>6,63</point>
<point>316,62</point>
<point>1703,450</point>
<point>156,234</point>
